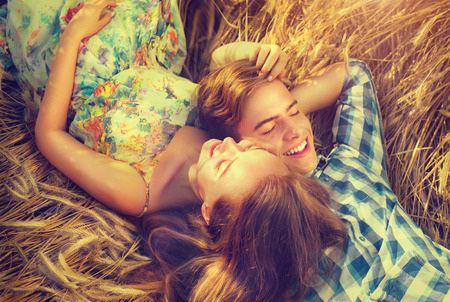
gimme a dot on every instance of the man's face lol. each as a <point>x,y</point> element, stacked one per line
<point>272,118</point>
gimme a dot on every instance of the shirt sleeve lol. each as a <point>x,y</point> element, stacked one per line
<point>357,123</point>
<point>411,279</point>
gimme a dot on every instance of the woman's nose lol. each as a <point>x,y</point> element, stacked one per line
<point>228,146</point>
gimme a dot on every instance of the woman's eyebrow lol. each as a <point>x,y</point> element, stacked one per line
<point>260,124</point>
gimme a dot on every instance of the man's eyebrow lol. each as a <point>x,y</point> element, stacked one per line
<point>260,124</point>
<point>294,102</point>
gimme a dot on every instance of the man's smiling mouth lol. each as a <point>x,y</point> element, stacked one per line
<point>298,149</point>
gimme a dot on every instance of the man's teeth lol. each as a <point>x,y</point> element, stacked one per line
<point>297,149</point>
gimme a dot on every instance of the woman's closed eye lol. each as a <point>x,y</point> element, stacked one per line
<point>219,164</point>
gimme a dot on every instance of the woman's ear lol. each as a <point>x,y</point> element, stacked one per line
<point>206,211</point>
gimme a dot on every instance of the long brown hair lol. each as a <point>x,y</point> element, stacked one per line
<point>221,95</point>
<point>255,250</point>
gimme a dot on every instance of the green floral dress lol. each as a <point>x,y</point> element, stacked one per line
<point>128,100</point>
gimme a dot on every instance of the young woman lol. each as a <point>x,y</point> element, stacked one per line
<point>255,222</point>
<point>188,169</point>
<point>388,258</point>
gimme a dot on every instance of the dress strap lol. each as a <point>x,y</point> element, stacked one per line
<point>144,210</point>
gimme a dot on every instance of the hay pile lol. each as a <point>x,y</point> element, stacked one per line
<point>57,243</point>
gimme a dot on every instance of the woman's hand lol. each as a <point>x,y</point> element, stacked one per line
<point>91,18</point>
<point>269,57</point>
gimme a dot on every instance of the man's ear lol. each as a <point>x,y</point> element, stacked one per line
<point>206,211</point>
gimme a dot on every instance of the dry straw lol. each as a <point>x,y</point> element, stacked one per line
<point>59,244</point>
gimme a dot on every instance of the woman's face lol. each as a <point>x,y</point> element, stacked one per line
<point>272,118</point>
<point>231,170</point>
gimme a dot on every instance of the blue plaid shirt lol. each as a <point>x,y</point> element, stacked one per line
<point>387,257</point>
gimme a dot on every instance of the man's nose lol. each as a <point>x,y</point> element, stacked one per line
<point>292,130</point>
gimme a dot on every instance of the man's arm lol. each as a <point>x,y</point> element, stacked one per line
<point>320,90</point>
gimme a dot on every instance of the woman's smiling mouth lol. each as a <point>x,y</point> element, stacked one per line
<point>214,147</point>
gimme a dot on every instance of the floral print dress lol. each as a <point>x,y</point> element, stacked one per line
<point>128,100</point>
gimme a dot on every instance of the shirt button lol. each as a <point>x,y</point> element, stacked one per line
<point>362,238</point>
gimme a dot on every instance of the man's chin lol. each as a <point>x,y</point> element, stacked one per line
<point>303,165</point>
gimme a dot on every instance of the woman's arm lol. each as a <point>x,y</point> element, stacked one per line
<point>270,58</point>
<point>320,90</point>
<point>114,183</point>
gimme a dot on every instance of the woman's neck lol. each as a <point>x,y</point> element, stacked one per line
<point>171,184</point>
